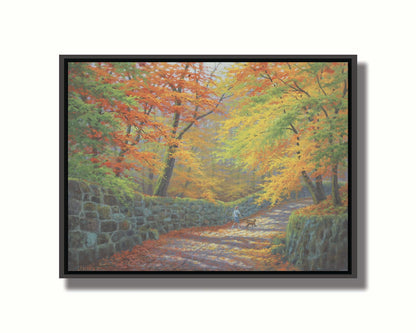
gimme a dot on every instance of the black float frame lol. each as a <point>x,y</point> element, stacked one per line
<point>352,166</point>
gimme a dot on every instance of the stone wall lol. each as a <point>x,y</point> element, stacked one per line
<point>100,224</point>
<point>318,243</point>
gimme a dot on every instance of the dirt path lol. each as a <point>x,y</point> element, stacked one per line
<point>221,248</point>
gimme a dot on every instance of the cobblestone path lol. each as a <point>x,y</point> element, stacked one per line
<point>220,248</point>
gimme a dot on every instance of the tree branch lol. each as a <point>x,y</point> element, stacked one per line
<point>345,89</point>
<point>319,83</point>
<point>179,137</point>
<point>293,129</point>
<point>212,74</point>
<point>326,113</point>
<point>300,89</point>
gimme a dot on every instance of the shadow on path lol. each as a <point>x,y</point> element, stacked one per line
<point>219,248</point>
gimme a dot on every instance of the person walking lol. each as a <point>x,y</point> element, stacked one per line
<point>236,217</point>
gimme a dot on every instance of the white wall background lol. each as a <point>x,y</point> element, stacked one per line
<point>34,33</point>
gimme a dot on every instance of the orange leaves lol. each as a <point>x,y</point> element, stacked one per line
<point>287,120</point>
<point>328,70</point>
<point>128,161</point>
<point>326,207</point>
<point>280,119</point>
<point>212,248</point>
<point>92,133</point>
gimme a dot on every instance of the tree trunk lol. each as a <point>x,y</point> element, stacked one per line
<point>163,181</point>
<point>310,186</point>
<point>317,192</point>
<point>162,184</point>
<point>320,189</point>
<point>336,198</point>
<point>150,185</point>
<point>121,155</point>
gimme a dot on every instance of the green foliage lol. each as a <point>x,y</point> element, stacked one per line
<point>288,121</point>
<point>278,245</point>
<point>279,121</point>
<point>92,125</point>
<point>318,242</point>
<point>278,249</point>
<point>278,241</point>
<point>154,233</point>
<point>123,189</point>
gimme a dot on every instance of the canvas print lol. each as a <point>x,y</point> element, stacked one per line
<point>207,165</point>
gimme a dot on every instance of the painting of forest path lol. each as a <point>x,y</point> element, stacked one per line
<point>224,248</point>
<point>166,158</point>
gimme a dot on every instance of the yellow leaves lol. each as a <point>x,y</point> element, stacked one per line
<point>283,115</point>
<point>191,177</point>
<point>280,186</point>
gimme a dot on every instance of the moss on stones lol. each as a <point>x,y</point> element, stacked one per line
<point>76,239</point>
<point>125,225</point>
<point>89,224</point>
<point>104,212</point>
<point>74,190</point>
<point>74,207</point>
<point>110,200</point>
<point>278,249</point>
<point>108,226</point>
<point>73,222</point>
<point>101,217</point>
<point>103,238</point>
<point>318,242</point>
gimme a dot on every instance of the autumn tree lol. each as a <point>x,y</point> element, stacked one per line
<point>124,116</point>
<point>198,173</point>
<point>109,115</point>
<point>289,122</point>
<point>134,123</point>
<point>189,96</point>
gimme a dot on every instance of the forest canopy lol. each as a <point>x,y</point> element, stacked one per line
<point>215,131</point>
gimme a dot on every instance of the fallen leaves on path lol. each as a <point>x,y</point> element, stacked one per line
<point>210,248</point>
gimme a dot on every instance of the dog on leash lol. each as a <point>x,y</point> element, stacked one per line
<point>251,222</point>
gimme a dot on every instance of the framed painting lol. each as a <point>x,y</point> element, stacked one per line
<point>207,166</point>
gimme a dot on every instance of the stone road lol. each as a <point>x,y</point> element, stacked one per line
<point>221,248</point>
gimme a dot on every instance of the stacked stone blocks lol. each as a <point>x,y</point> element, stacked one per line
<point>100,224</point>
